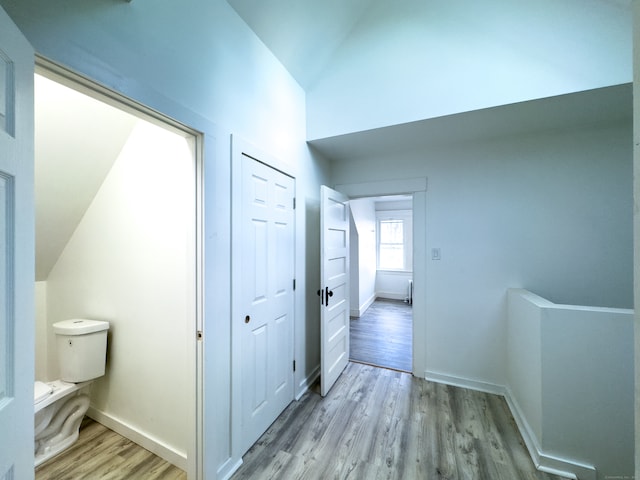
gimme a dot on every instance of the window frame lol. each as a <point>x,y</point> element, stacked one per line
<point>406,217</point>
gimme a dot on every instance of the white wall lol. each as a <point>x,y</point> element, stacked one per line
<point>393,285</point>
<point>196,61</point>
<point>570,384</point>
<point>550,212</point>
<point>439,58</point>
<point>130,262</point>
<point>364,215</point>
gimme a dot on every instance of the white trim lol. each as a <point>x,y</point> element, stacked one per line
<point>227,469</point>
<point>364,307</point>
<point>417,187</point>
<point>392,296</point>
<point>544,462</point>
<point>168,453</point>
<point>385,187</point>
<point>464,383</point>
<point>162,112</point>
<point>306,383</point>
<point>406,217</point>
<point>563,467</point>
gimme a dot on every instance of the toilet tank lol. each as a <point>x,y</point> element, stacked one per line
<point>82,348</point>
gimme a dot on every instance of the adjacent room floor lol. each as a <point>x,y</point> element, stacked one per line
<point>382,336</point>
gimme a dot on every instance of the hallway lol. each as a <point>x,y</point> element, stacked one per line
<point>384,424</point>
<point>383,335</point>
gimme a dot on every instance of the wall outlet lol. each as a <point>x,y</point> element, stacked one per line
<point>435,254</point>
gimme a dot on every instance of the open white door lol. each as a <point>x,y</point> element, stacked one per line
<point>17,321</point>
<point>334,287</point>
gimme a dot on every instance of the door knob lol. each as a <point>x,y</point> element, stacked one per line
<point>247,319</point>
<point>328,293</point>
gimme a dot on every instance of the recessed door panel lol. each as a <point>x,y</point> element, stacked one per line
<point>257,262</point>
<point>7,316</point>
<point>258,352</point>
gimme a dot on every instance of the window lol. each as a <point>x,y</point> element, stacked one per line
<point>394,240</point>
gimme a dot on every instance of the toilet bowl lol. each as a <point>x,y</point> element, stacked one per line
<point>60,405</point>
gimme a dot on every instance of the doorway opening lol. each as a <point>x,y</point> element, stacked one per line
<point>381,266</point>
<point>117,190</point>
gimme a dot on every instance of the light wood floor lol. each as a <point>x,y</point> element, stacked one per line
<point>382,336</point>
<point>101,453</point>
<point>384,424</point>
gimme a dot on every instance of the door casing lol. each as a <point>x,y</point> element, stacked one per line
<point>195,353</point>
<point>417,187</point>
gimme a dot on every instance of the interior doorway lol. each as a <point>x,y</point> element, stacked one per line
<point>381,326</point>
<point>117,227</point>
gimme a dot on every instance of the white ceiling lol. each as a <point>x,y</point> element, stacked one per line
<point>302,34</point>
<point>596,107</point>
<point>308,36</point>
<point>77,139</point>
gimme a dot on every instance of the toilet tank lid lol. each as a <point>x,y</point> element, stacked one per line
<point>79,326</point>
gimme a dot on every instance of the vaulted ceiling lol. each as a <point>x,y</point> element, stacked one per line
<point>371,65</point>
<point>77,140</point>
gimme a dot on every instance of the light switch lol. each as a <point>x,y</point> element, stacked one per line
<point>435,254</point>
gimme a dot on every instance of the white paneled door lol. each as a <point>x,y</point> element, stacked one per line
<point>334,287</point>
<point>16,253</point>
<point>267,296</point>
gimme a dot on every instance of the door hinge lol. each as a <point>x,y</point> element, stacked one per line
<point>294,203</point>
<point>294,365</point>
<point>294,284</point>
<point>199,334</point>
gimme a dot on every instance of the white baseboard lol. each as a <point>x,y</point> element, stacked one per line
<point>393,296</point>
<point>464,383</point>
<point>170,454</point>
<point>364,307</point>
<point>306,382</point>
<point>228,469</point>
<point>545,463</point>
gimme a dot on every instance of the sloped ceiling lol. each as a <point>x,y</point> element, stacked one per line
<point>303,34</point>
<point>77,140</point>
<point>367,65</point>
<point>602,106</point>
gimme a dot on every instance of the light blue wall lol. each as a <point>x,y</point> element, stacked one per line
<point>439,58</point>
<point>196,61</point>
<point>550,212</point>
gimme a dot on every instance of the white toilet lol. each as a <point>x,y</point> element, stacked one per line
<point>60,405</point>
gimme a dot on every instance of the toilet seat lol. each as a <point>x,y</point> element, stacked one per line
<point>41,391</point>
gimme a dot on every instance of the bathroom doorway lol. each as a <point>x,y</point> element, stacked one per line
<point>117,222</point>
<point>381,326</point>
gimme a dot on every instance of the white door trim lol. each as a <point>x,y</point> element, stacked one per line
<point>417,187</point>
<point>195,413</point>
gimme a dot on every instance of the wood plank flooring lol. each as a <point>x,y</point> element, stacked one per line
<point>383,335</point>
<point>101,453</point>
<point>384,424</point>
